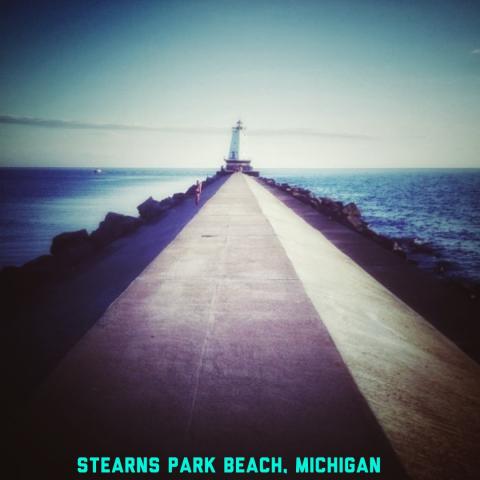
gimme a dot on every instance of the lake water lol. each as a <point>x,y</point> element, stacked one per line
<point>39,203</point>
<point>441,207</point>
<point>436,206</point>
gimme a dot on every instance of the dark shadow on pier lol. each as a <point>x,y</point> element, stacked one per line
<point>45,325</point>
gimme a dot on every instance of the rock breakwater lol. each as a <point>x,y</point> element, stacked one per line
<point>69,250</point>
<point>350,215</point>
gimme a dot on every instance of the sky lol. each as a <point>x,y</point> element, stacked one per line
<point>318,84</point>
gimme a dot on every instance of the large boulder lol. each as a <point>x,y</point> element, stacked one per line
<point>356,223</point>
<point>315,202</point>
<point>337,207</point>
<point>330,207</point>
<point>151,208</point>
<point>299,195</point>
<point>191,190</point>
<point>114,226</point>
<point>66,240</point>
<point>71,247</point>
<point>351,210</point>
<point>285,187</point>
<point>353,218</point>
<point>268,181</point>
<point>178,197</point>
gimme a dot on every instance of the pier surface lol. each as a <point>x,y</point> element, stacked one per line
<point>251,334</point>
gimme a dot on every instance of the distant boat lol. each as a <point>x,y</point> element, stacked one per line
<point>97,171</point>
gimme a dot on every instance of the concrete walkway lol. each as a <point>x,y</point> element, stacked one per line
<point>424,390</point>
<point>215,348</point>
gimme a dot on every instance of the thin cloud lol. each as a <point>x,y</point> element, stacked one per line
<point>76,125</point>
<point>476,51</point>
<point>310,132</point>
<point>73,124</point>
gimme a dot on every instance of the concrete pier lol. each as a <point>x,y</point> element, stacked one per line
<point>250,334</point>
<point>423,389</point>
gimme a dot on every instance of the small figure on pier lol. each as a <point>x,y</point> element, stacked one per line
<point>198,192</point>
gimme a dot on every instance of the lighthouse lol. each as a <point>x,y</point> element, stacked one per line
<point>233,162</point>
<point>234,153</point>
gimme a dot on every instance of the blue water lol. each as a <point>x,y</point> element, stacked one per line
<point>441,207</point>
<point>38,203</point>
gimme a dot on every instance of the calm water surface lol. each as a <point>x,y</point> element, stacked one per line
<point>437,206</point>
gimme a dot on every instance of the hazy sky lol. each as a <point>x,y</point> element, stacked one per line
<point>317,83</point>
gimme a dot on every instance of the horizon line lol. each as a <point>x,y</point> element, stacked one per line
<point>105,168</point>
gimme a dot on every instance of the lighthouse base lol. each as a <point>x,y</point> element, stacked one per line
<point>252,173</point>
<point>233,165</point>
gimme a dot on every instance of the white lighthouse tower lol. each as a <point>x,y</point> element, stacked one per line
<point>233,161</point>
<point>234,153</point>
